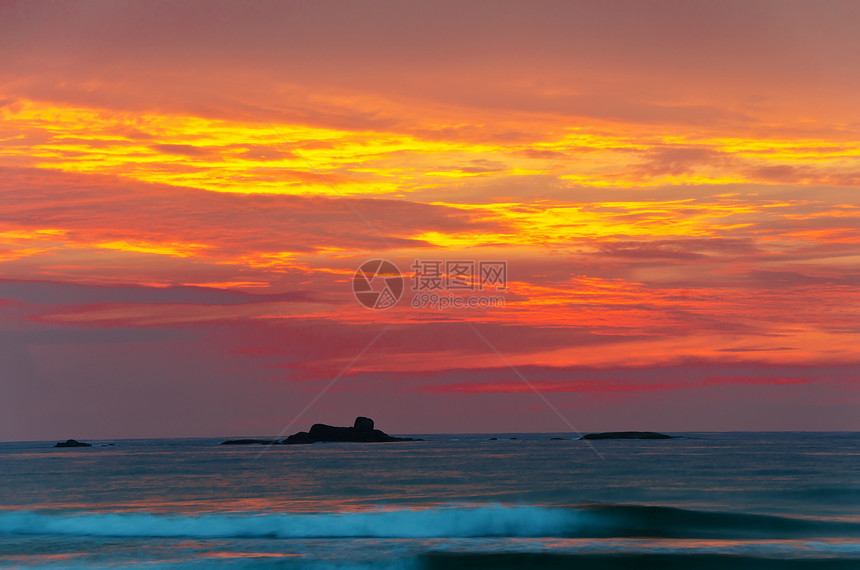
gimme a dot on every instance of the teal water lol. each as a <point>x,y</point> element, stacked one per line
<point>710,500</point>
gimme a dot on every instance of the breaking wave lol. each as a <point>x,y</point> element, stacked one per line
<point>590,521</point>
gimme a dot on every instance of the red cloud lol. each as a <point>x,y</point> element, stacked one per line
<point>602,386</point>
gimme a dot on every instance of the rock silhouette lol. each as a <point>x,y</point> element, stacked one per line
<point>72,443</point>
<point>363,424</point>
<point>361,431</point>
<point>627,435</point>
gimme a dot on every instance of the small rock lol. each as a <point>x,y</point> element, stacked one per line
<point>72,443</point>
<point>627,435</point>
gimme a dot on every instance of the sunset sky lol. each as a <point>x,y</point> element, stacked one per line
<point>187,189</point>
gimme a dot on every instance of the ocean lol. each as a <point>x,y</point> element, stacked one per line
<point>708,500</point>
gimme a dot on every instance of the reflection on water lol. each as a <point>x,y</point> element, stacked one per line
<point>793,474</point>
<point>218,499</point>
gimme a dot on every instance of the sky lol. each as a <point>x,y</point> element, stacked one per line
<point>187,190</point>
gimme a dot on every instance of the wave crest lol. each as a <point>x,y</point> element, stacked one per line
<point>603,521</point>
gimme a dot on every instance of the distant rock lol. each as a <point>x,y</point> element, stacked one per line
<point>72,443</point>
<point>557,438</point>
<point>361,432</point>
<point>627,435</point>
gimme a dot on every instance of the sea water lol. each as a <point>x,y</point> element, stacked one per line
<point>707,500</point>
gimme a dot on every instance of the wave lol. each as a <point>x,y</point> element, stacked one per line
<point>589,521</point>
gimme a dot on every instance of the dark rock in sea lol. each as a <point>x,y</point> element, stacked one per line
<point>493,439</point>
<point>361,431</point>
<point>250,442</point>
<point>627,435</point>
<point>72,443</point>
<point>557,438</point>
